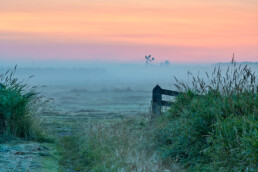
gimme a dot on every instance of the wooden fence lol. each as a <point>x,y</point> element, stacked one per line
<point>157,101</point>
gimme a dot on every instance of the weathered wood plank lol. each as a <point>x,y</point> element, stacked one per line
<point>157,101</point>
<point>170,92</point>
<point>166,103</point>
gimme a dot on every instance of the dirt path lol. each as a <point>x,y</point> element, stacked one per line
<point>27,156</point>
<point>21,156</point>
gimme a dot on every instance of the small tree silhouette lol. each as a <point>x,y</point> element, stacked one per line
<point>149,59</point>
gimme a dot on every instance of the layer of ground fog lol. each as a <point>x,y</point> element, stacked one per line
<point>99,119</point>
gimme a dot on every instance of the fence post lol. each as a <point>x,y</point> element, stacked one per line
<point>156,100</point>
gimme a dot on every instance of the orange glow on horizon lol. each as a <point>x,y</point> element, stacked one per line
<point>227,25</point>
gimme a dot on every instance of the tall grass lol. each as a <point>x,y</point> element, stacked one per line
<point>19,104</point>
<point>120,145</point>
<point>214,124</point>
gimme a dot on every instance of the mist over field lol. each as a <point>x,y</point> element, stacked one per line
<point>107,89</point>
<point>108,76</point>
<point>77,81</point>
<point>103,89</point>
<point>103,103</point>
<point>97,76</point>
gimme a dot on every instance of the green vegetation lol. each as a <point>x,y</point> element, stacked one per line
<point>19,105</point>
<point>118,145</point>
<point>214,124</point>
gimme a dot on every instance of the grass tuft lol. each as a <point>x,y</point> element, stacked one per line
<point>120,145</point>
<point>214,124</point>
<point>19,104</point>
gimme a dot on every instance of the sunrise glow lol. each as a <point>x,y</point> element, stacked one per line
<point>126,30</point>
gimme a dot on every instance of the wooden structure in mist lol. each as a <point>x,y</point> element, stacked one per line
<point>157,101</point>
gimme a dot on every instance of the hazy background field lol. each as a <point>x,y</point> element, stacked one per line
<point>84,93</point>
<point>106,90</point>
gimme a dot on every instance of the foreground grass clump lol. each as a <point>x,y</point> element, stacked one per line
<point>214,124</point>
<point>119,145</point>
<point>18,107</point>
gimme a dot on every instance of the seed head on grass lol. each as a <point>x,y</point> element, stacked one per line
<point>214,124</point>
<point>19,104</point>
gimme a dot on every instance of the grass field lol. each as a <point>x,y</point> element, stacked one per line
<point>93,126</point>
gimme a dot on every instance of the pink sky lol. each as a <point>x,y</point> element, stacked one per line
<point>127,30</point>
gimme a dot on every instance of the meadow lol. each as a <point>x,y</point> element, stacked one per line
<point>98,119</point>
